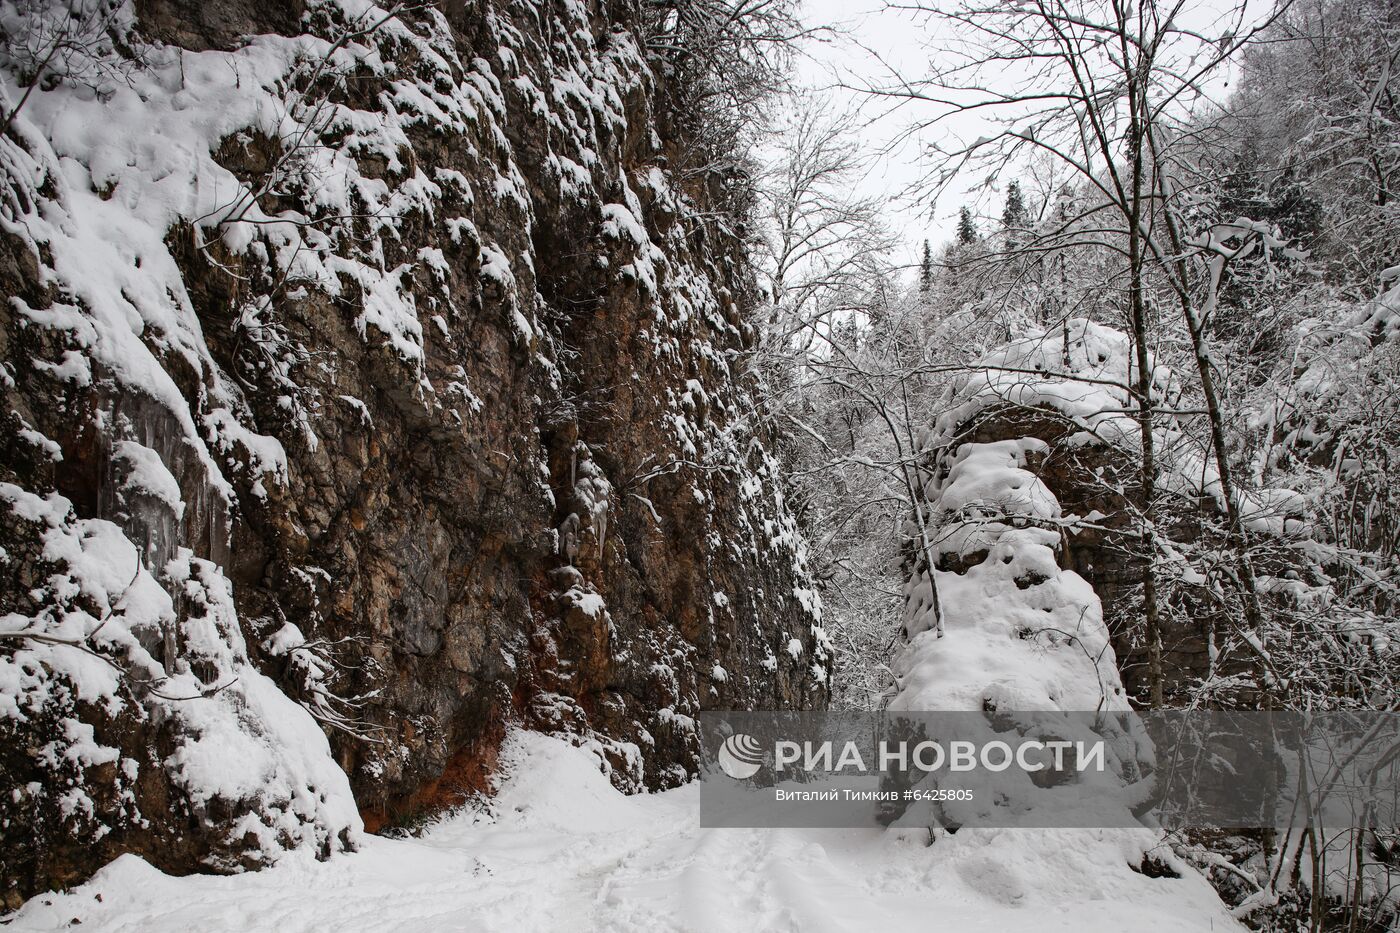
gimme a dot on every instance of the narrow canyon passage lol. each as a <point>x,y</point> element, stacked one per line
<point>434,434</point>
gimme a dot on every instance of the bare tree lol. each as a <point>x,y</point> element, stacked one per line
<point>817,237</point>
<point>1105,89</point>
<point>722,62</point>
<point>85,43</point>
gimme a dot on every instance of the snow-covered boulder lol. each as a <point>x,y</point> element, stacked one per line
<point>162,737</point>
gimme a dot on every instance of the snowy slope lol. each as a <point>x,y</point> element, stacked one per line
<point>566,851</point>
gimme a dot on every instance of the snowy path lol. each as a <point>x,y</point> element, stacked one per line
<point>567,852</point>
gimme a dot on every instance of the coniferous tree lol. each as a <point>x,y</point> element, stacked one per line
<point>1013,215</point>
<point>967,228</point>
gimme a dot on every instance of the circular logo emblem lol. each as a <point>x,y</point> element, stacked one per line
<point>740,756</point>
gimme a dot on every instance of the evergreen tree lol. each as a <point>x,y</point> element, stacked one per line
<point>967,228</point>
<point>1013,216</point>
<point>926,270</point>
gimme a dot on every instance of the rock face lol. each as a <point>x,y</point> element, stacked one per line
<point>1050,425</point>
<point>1103,481</point>
<point>413,340</point>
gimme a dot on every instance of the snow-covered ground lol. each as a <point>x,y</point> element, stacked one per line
<point>565,851</point>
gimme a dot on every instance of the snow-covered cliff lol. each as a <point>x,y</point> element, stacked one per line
<point>372,368</point>
<point>998,620</point>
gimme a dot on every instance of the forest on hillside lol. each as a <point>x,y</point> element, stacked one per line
<point>1237,235</point>
<point>1158,333</point>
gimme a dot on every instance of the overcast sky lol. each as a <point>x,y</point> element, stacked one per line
<point>869,39</point>
<point>864,29</point>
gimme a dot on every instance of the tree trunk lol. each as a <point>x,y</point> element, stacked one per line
<point>1137,310</point>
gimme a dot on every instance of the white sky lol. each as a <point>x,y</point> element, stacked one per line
<point>866,28</point>
<point>842,58</point>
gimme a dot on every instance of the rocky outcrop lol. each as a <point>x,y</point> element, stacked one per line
<point>1056,403</point>
<point>400,333</point>
<point>999,626</point>
<point>1098,486</point>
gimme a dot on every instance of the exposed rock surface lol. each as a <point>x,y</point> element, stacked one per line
<point>402,338</point>
<point>1101,481</point>
<point>1050,423</point>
